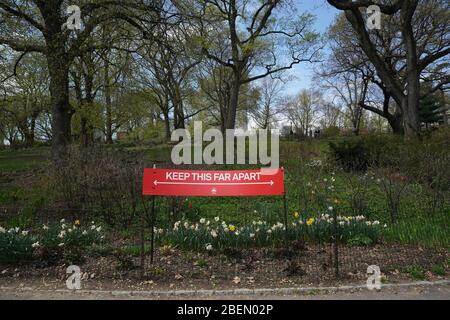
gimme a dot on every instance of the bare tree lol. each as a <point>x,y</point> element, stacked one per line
<point>416,21</point>
<point>269,103</point>
<point>259,38</point>
<point>302,110</point>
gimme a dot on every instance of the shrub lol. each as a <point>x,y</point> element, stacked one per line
<point>331,132</point>
<point>357,154</point>
<point>112,194</point>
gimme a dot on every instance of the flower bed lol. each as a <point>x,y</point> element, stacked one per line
<point>48,243</point>
<point>216,234</point>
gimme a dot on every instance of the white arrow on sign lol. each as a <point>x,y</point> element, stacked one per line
<point>156,182</point>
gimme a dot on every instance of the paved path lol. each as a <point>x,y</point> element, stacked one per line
<point>420,290</point>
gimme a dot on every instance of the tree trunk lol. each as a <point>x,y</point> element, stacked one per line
<point>177,101</point>
<point>108,111</point>
<point>410,104</point>
<point>230,121</point>
<point>396,123</point>
<point>60,106</point>
<point>167,125</point>
<point>58,61</point>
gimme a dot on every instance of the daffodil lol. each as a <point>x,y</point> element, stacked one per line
<point>310,221</point>
<point>232,228</point>
<point>77,222</point>
<point>296,215</point>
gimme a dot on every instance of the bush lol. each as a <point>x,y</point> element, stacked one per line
<point>331,132</point>
<point>101,183</point>
<point>359,153</point>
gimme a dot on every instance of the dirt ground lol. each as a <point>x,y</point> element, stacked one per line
<point>310,266</point>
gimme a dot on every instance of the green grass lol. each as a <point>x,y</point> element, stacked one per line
<point>417,225</point>
<point>22,160</point>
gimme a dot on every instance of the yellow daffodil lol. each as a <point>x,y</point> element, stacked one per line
<point>77,222</point>
<point>310,221</point>
<point>296,215</point>
<point>232,228</point>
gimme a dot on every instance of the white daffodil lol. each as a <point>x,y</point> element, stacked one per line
<point>213,234</point>
<point>209,247</point>
<point>25,233</point>
<point>202,220</point>
<point>216,219</point>
<point>35,245</point>
<point>2,230</point>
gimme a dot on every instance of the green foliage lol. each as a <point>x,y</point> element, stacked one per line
<point>212,235</point>
<point>359,153</point>
<point>331,132</point>
<point>49,244</point>
<point>16,245</point>
<point>416,272</point>
<point>360,241</point>
<point>350,154</point>
<point>439,270</point>
<point>430,110</point>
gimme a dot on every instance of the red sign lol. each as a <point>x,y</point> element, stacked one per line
<point>264,182</point>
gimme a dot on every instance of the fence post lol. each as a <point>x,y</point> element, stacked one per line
<point>152,226</point>
<point>152,230</point>
<point>335,241</point>
<point>286,239</point>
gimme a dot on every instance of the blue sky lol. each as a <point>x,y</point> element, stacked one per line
<point>325,14</point>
